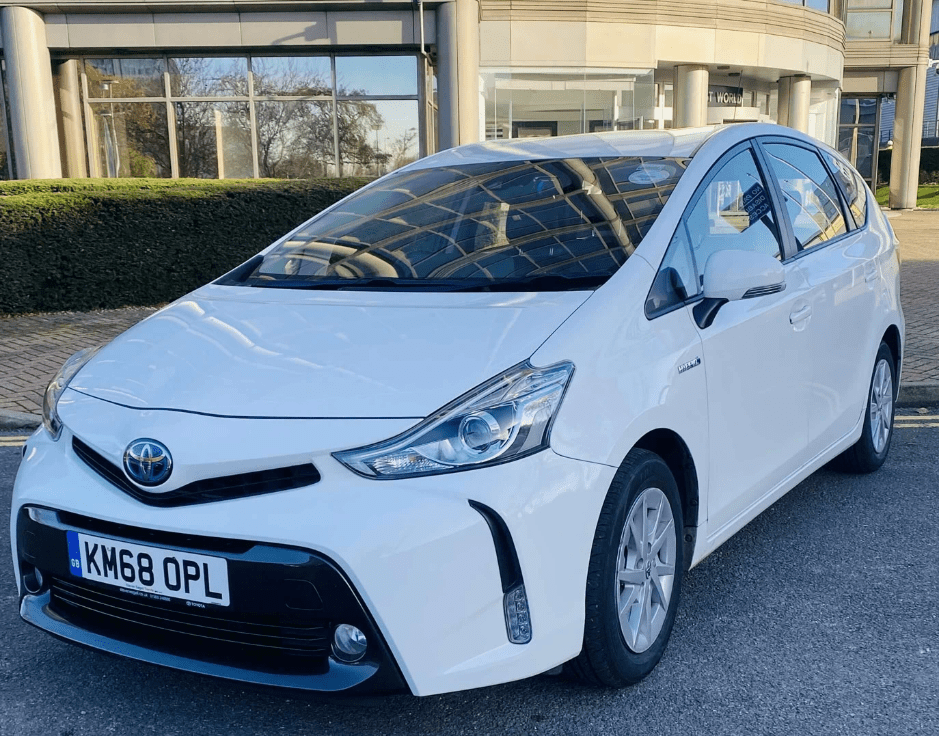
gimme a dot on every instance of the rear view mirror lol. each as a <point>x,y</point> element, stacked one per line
<point>730,275</point>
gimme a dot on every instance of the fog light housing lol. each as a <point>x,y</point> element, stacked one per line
<point>32,581</point>
<point>517,620</point>
<point>349,643</point>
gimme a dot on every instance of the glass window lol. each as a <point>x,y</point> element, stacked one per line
<point>208,77</point>
<point>130,139</point>
<point>853,186</point>
<point>523,225</point>
<point>377,136</point>
<point>524,102</point>
<point>111,78</point>
<point>676,280</point>
<point>295,139</point>
<point>868,25</point>
<point>811,198</point>
<point>376,75</point>
<point>734,212</point>
<point>300,76</point>
<point>213,140</point>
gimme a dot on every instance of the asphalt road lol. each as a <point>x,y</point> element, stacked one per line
<point>820,617</point>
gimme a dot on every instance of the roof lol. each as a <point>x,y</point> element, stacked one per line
<point>680,143</point>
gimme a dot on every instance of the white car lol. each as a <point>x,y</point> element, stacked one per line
<point>473,422</point>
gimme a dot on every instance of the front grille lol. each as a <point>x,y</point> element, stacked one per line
<point>262,643</point>
<point>202,491</point>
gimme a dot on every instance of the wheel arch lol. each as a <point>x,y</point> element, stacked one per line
<point>673,450</point>
<point>892,338</point>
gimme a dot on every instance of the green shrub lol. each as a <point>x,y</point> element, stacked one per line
<point>78,244</point>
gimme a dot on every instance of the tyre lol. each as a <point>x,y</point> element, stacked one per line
<point>634,575</point>
<point>870,451</point>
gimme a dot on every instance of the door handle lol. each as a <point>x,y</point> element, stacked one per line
<point>800,314</point>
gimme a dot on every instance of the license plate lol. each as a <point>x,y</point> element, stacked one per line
<point>150,570</point>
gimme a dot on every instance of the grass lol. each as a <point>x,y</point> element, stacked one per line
<point>927,198</point>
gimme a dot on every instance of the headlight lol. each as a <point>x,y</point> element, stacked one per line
<point>57,386</point>
<point>504,419</point>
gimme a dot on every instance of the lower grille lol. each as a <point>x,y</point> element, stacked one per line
<point>226,637</point>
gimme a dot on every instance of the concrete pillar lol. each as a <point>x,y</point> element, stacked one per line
<point>448,99</point>
<point>467,32</point>
<point>782,104</point>
<point>800,99</point>
<point>907,134</point>
<point>458,72</point>
<point>908,124</point>
<point>71,135</point>
<point>690,96</point>
<point>33,128</point>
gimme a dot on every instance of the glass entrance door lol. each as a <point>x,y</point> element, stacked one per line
<point>858,125</point>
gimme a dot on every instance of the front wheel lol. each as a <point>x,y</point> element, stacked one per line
<point>634,576</point>
<point>870,451</point>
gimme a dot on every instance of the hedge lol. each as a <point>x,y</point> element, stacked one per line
<point>928,165</point>
<point>79,244</point>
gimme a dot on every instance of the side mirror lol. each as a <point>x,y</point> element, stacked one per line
<point>730,275</point>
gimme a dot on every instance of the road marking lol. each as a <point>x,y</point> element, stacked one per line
<point>909,425</point>
<point>13,440</point>
<point>905,417</point>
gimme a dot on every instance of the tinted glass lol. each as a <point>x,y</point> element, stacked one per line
<point>564,223</point>
<point>676,280</point>
<point>811,198</point>
<point>208,77</point>
<point>115,78</point>
<point>376,75</point>
<point>853,186</point>
<point>733,212</point>
<point>130,139</point>
<point>304,76</point>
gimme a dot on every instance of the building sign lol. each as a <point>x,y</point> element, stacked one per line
<point>724,96</point>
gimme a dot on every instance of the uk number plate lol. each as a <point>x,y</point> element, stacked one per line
<point>151,571</point>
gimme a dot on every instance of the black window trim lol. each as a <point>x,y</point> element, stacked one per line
<point>792,249</point>
<point>788,240</point>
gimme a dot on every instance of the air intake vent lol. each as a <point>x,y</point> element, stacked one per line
<point>202,491</point>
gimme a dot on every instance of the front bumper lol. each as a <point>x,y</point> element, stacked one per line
<point>277,631</point>
<point>419,558</point>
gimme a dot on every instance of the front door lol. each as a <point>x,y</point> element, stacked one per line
<point>755,351</point>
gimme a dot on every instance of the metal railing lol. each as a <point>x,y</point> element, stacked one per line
<point>930,131</point>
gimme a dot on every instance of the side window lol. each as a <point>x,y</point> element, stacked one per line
<point>811,198</point>
<point>855,189</point>
<point>733,212</point>
<point>676,280</point>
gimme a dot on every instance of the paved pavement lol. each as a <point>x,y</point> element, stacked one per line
<point>32,347</point>
<point>819,617</point>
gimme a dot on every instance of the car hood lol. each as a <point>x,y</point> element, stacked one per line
<point>248,352</point>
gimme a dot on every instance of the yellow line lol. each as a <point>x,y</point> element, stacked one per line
<point>12,444</point>
<point>899,425</point>
<point>905,417</point>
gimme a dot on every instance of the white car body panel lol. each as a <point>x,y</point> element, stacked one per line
<point>320,354</point>
<point>236,379</point>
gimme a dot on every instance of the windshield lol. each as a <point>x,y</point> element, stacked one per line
<point>528,225</point>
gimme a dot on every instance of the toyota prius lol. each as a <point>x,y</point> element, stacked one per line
<point>473,422</point>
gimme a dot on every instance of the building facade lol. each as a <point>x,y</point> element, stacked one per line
<point>294,88</point>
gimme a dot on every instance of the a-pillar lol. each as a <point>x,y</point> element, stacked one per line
<point>691,96</point>
<point>458,72</point>
<point>795,99</point>
<point>33,128</point>
<point>71,136</point>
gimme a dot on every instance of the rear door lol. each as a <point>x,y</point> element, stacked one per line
<point>838,261</point>
<point>756,351</point>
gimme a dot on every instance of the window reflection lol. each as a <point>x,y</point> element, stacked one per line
<point>125,77</point>
<point>526,102</point>
<point>376,137</point>
<point>213,140</point>
<point>130,139</point>
<point>376,75</point>
<point>295,139</point>
<point>308,76</point>
<point>207,77</point>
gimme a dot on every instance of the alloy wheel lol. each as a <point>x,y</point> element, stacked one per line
<point>881,408</point>
<point>645,571</point>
